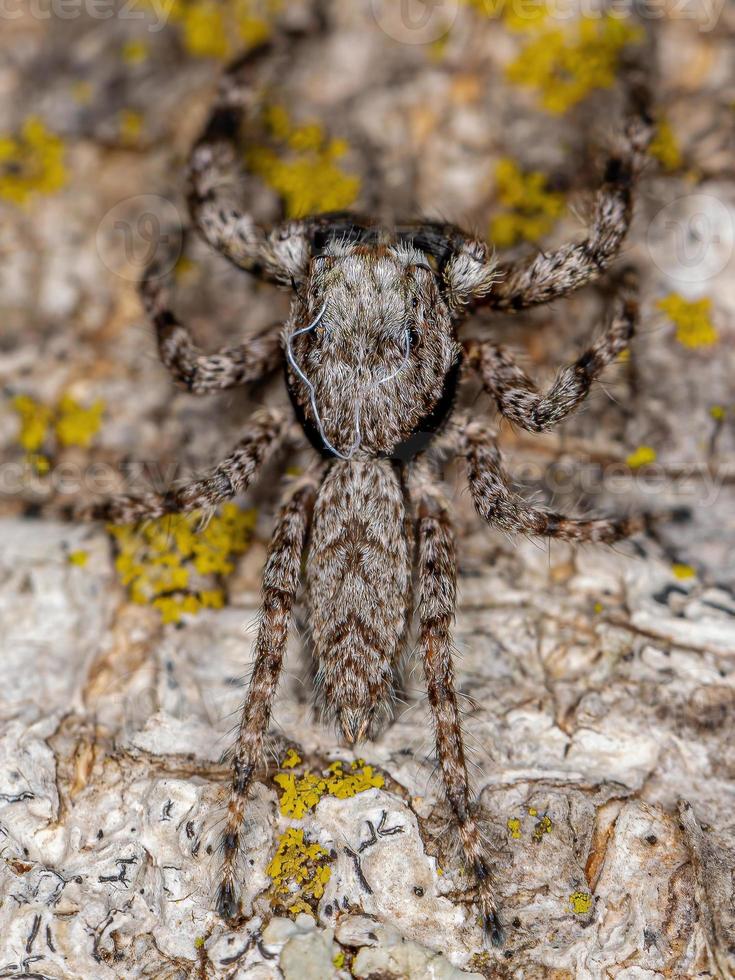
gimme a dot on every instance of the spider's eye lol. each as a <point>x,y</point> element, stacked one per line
<point>415,303</point>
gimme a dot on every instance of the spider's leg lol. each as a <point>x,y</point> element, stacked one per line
<point>498,504</point>
<point>203,373</point>
<point>557,273</point>
<point>280,583</point>
<point>472,276</point>
<point>516,395</point>
<point>437,578</point>
<point>277,255</point>
<point>233,475</point>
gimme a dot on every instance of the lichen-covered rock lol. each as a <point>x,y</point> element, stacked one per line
<point>598,685</point>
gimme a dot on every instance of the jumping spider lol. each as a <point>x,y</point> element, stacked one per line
<point>372,362</point>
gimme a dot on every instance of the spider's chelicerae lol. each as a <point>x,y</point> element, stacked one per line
<point>372,362</point>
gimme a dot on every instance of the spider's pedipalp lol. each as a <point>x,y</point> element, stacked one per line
<point>516,395</point>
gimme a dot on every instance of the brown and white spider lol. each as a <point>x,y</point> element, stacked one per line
<point>372,363</point>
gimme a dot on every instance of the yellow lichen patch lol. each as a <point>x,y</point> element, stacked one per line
<point>338,961</point>
<point>169,563</point>
<point>220,28</point>
<point>581,902</point>
<point>543,826</point>
<point>565,66</point>
<point>514,827</point>
<point>682,571</point>
<point>301,793</point>
<point>665,147</point>
<point>199,942</point>
<point>35,420</point>
<point>302,165</point>
<point>718,413</point>
<point>299,870</point>
<point>692,319</point>
<point>642,456</point>
<point>291,759</point>
<point>130,126</point>
<point>530,207</point>
<point>65,424</point>
<point>76,425</point>
<point>78,558</point>
<point>135,52</point>
<point>31,162</point>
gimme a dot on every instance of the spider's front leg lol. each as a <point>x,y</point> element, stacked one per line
<point>278,255</point>
<point>516,395</point>
<point>201,373</point>
<point>233,475</point>
<point>280,583</point>
<point>498,504</point>
<point>437,573</point>
<point>473,277</point>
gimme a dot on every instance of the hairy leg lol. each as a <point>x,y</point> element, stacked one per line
<point>233,475</point>
<point>437,574</point>
<point>280,583</point>
<point>278,255</point>
<point>472,275</point>
<point>202,373</point>
<point>498,504</point>
<point>554,274</point>
<point>516,395</point>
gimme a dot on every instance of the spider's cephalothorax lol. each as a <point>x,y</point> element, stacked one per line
<point>371,359</point>
<point>373,368</point>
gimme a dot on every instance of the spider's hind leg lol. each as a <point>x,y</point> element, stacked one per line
<point>437,570</point>
<point>280,583</point>
<point>497,502</point>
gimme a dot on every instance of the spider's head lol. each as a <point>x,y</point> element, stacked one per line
<point>372,358</point>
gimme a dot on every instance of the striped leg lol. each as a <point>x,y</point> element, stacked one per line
<point>277,255</point>
<point>554,274</point>
<point>280,582</point>
<point>437,574</point>
<point>203,373</point>
<point>233,475</point>
<point>516,395</point>
<point>498,504</point>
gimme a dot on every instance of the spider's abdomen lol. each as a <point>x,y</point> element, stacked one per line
<point>358,579</point>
